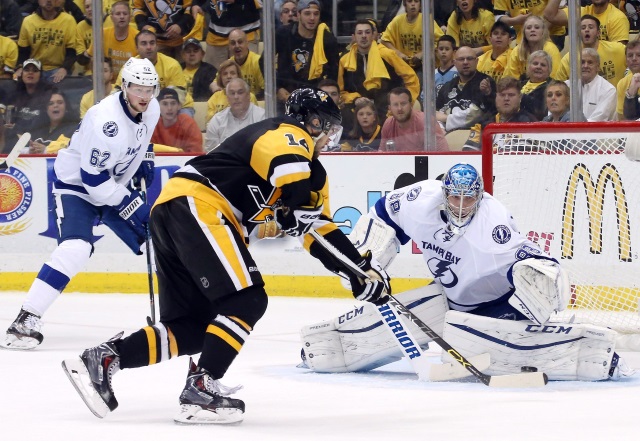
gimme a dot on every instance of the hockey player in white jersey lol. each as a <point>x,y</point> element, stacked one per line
<point>494,290</point>
<point>109,149</point>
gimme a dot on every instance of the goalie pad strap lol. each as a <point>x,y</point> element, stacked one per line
<point>563,351</point>
<point>358,340</point>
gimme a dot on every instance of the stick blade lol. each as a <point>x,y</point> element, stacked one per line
<point>15,151</point>
<point>523,380</point>
<point>456,371</point>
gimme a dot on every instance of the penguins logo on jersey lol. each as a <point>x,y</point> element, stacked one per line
<point>163,11</point>
<point>441,270</point>
<point>110,129</point>
<point>265,205</point>
<point>299,59</point>
<point>501,234</point>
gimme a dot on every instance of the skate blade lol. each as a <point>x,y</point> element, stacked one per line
<point>79,376</point>
<point>194,415</point>
<point>16,343</point>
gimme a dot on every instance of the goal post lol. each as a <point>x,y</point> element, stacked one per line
<point>572,190</point>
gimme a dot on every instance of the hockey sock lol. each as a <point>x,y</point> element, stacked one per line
<point>224,338</point>
<point>149,345</point>
<point>65,262</point>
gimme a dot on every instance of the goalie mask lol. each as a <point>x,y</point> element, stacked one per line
<point>462,188</point>
<point>315,108</point>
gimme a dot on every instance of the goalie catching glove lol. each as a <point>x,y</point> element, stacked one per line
<point>375,289</point>
<point>299,221</point>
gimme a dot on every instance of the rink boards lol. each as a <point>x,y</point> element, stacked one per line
<point>357,181</point>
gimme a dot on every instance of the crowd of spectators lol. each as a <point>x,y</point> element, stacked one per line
<point>495,60</point>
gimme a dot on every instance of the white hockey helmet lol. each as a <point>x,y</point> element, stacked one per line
<point>463,181</point>
<point>140,71</point>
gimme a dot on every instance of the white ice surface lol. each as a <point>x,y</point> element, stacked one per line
<point>37,402</point>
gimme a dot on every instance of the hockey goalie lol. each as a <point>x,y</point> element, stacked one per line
<point>493,292</point>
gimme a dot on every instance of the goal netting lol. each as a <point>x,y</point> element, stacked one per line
<point>572,190</point>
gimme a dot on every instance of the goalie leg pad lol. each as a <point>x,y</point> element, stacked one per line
<point>359,341</point>
<point>563,351</point>
<point>541,287</point>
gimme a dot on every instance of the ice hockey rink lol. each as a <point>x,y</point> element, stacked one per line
<point>283,402</point>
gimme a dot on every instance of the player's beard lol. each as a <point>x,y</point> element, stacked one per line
<point>138,107</point>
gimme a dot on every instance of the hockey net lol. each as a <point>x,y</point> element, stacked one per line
<point>572,190</point>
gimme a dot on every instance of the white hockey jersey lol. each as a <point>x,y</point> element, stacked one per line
<point>471,267</point>
<point>105,151</point>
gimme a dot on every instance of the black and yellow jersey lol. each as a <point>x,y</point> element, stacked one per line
<point>253,171</point>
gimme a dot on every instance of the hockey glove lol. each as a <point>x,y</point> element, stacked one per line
<point>298,222</point>
<point>133,210</point>
<point>146,170</point>
<point>376,289</point>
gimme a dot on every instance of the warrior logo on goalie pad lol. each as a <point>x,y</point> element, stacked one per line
<point>389,316</point>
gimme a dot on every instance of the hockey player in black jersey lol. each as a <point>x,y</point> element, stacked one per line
<point>211,291</point>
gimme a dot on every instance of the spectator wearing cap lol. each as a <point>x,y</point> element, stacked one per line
<point>118,40</point>
<point>176,129</point>
<point>49,35</point>
<point>199,74</point>
<point>224,16</point>
<point>170,21</point>
<point>28,102</point>
<point>88,99</point>
<point>307,52</point>
<point>240,113</point>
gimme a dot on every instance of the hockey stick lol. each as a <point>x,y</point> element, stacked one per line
<point>403,337</point>
<point>8,162</point>
<point>147,241</point>
<point>525,379</point>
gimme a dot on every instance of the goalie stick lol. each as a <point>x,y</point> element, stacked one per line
<point>8,162</point>
<point>525,379</point>
<point>147,241</point>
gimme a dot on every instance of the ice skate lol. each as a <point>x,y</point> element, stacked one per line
<point>24,332</point>
<point>91,375</point>
<point>204,400</point>
<point>620,369</point>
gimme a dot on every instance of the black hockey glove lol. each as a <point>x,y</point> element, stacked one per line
<point>298,222</point>
<point>146,170</point>
<point>135,212</point>
<point>376,289</point>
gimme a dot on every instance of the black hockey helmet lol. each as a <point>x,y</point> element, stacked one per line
<point>307,104</point>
